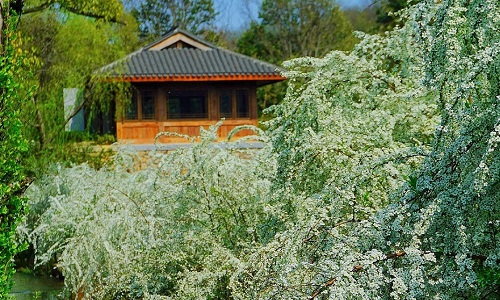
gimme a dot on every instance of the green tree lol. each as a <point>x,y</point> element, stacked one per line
<point>66,54</point>
<point>363,18</point>
<point>108,10</point>
<point>293,28</point>
<point>13,148</point>
<point>158,16</point>
<point>15,89</point>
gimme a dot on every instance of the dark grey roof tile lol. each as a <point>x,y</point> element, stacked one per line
<point>188,62</point>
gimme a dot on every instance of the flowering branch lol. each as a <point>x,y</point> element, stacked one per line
<point>355,269</point>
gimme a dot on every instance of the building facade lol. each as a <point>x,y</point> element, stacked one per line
<point>181,82</point>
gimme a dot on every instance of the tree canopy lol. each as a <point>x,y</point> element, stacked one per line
<point>56,63</point>
<point>303,28</point>
<point>108,10</point>
<point>156,17</point>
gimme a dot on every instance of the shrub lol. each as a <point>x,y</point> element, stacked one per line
<point>437,239</point>
<point>175,229</point>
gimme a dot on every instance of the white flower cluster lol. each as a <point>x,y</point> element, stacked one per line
<point>172,230</point>
<point>358,194</point>
<point>438,237</point>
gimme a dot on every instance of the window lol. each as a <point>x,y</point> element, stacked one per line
<point>234,104</point>
<point>242,104</point>
<point>226,104</point>
<point>148,105</point>
<point>187,105</point>
<point>142,106</point>
<point>131,112</point>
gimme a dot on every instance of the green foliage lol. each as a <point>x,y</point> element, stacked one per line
<point>157,17</point>
<point>363,18</point>
<point>294,28</point>
<point>107,10</point>
<point>303,28</point>
<point>66,54</point>
<point>13,148</point>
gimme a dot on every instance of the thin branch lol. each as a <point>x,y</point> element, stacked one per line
<point>308,239</point>
<point>133,201</point>
<point>46,5</point>
<point>74,112</point>
<point>389,84</point>
<point>35,9</point>
<point>93,15</point>
<point>369,6</point>
<point>355,269</point>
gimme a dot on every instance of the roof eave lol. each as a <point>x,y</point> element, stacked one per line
<point>261,78</point>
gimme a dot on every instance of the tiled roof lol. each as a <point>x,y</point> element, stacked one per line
<point>188,62</point>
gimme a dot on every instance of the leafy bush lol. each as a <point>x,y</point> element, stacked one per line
<point>13,147</point>
<point>174,229</point>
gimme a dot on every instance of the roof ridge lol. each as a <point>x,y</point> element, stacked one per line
<point>184,32</point>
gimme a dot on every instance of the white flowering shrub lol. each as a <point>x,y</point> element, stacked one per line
<point>352,126</point>
<point>173,230</point>
<point>380,179</point>
<point>438,238</point>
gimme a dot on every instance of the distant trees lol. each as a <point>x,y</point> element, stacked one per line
<point>363,18</point>
<point>294,28</point>
<point>156,17</point>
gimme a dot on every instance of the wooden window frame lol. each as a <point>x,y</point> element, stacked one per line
<point>204,92</point>
<point>233,92</point>
<point>138,94</point>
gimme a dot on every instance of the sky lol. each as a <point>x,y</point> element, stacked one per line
<point>237,14</point>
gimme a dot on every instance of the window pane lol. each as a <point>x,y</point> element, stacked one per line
<point>242,110</point>
<point>187,105</point>
<point>131,111</point>
<point>148,105</point>
<point>225,104</point>
<point>174,108</point>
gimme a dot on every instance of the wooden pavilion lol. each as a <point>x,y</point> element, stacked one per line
<point>181,82</point>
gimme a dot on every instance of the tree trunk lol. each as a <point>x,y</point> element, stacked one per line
<point>1,23</point>
<point>40,127</point>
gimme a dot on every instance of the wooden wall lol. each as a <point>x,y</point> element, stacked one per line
<point>144,132</point>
